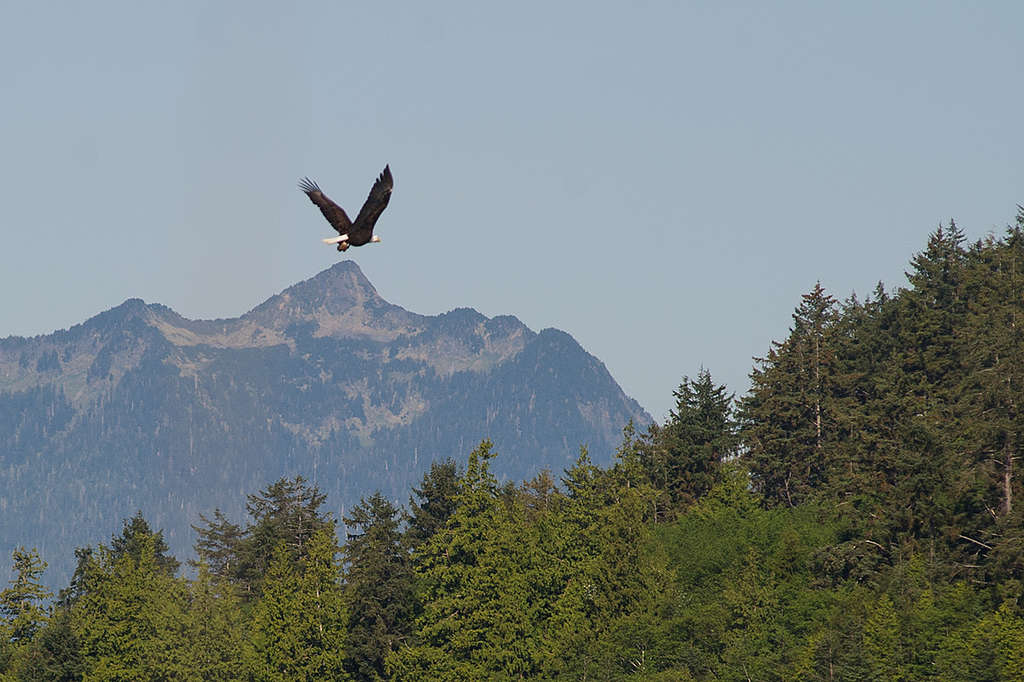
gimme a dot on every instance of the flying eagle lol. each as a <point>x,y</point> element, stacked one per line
<point>361,231</point>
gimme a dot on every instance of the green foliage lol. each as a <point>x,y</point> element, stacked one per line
<point>788,417</point>
<point>287,512</point>
<point>684,457</point>
<point>216,629</point>
<point>218,544</point>
<point>298,625</point>
<point>135,536</point>
<point>745,606</point>
<point>437,494</point>
<point>379,588</point>
<point>277,624</point>
<point>533,583</point>
<point>991,648</point>
<point>22,604</point>
<point>53,656</point>
<point>882,646</point>
<point>130,620</point>
<point>475,578</point>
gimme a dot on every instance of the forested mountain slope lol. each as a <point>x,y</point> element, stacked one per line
<point>139,408</point>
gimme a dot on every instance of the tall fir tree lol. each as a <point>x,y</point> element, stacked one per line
<point>379,586</point>
<point>603,584</point>
<point>433,502</point>
<point>699,434</point>
<point>218,544</point>
<point>288,513</point>
<point>137,534</point>
<point>479,596</point>
<point>992,343</point>
<point>787,420</point>
<point>298,623</point>
<point>992,416</point>
<point>919,383</point>
<point>215,627</point>
<point>23,603</point>
<point>130,618</point>
<point>53,656</point>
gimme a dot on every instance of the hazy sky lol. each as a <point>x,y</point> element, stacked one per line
<point>662,180</point>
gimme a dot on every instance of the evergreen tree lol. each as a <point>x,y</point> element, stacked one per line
<point>935,308</point>
<point>752,629</point>
<point>277,623</point>
<point>698,435</point>
<point>218,544</point>
<point>130,618</point>
<point>580,481</point>
<point>479,592</point>
<point>137,534</point>
<point>918,383</point>
<point>378,586</point>
<point>53,655</point>
<point>882,645</point>
<point>787,418</point>
<point>991,343</point>
<point>988,649</point>
<point>298,624</point>
<point>604,585</point>
<point>641,468</point>
<point>22,604</point>
<point>288,513</point>
<point>215,627</point>
<point>83,561</point>
<point>539,496</point>
<point>436,504</point>
<point>324,606</point>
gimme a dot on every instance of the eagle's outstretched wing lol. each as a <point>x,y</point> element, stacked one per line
<point>335,214</point>
<point>375,204</point>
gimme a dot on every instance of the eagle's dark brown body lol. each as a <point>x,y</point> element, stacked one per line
<point>361,231</point>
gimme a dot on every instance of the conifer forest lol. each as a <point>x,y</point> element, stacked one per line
<point>857,515</point>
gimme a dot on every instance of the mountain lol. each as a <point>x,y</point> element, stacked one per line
<point>139,408</point>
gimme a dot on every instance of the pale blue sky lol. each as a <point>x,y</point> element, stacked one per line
<point>662,180</point>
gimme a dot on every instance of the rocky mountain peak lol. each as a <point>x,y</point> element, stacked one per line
<point>339,301</point>
<point>338,288</point>
<point>132,311</point>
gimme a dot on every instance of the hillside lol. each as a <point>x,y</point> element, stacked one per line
<point>139,408</point>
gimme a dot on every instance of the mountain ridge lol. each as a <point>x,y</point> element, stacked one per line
<point>140,408</point>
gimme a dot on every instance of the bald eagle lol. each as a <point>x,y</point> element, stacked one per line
<point>361,231</point>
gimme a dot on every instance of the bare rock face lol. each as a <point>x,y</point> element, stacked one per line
<point>139,408</point>
<point>342,303</point>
